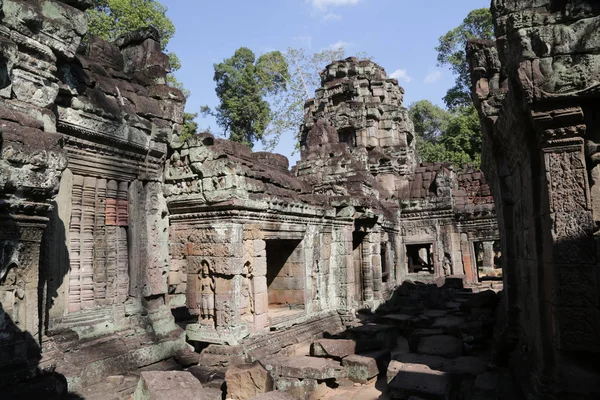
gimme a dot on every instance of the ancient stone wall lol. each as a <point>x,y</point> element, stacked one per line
<point>84,134</point>
<point>536,89</point>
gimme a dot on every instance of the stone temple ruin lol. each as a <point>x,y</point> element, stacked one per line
<point>127,252</point>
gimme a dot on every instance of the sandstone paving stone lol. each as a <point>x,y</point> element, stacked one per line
<point>168,385</point>
<point>405,380</point>
<point>441,345</point>
<point>333,348</point>
<point>247,380</point>
<point>461,366</point>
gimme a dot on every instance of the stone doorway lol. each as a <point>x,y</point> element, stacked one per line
<point>357,256</point>
<point>286,278</point>
<point>419,258</point>
<point>487,258</point>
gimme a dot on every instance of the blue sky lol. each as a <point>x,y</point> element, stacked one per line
<point>400,35</point>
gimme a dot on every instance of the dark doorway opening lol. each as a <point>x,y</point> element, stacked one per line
<point>419,258</point>
<point>285,279</point>
<point>357,250</point>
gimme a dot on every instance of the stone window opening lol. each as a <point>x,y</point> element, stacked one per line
<point>348,136</point>
<point>285,279</point>
<point>487,258</point>
<point>385,267</point>
<point>357,255</point>
<point>419,258</point>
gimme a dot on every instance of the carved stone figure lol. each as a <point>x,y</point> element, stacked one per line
<point>447,264</point>
<point>248,290</point>
<point>207,294</point>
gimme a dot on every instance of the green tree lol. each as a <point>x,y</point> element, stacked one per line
<point>430,121</point>
<point>243,83</point>
<point>446,136</point>
<point>301,82</point>
<point>110,19</point>
<point>451,52</point>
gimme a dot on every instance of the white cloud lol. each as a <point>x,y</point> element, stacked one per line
<point>332,17</point>
<point>401,75</point>
<point>306,41</point>
<point>324,4</point>
<point>340,44</point>
<point>433,76</point>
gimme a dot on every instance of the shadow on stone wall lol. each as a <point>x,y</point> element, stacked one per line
<point>26,373</point>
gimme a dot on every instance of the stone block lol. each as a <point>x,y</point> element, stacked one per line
<point>333,348</point>
<point>405,380</point>
<point>168,385</point>
<point>275,395</point>
<point>261,303</point>
<point>304,367</point>
<point>260,284</point>
<point>441,345</point>
<point>362,367</point>
<point>246,381</point>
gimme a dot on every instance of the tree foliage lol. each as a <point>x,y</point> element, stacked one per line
<point>242,85</point>
<point>446,136</point>
<point>451,52</point>
<point>301,82</point>
<point>110,19</point>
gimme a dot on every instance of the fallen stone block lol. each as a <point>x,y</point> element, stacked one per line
<point>362,367</point>
<point>304,367</point>
<point>245,381</point>
<point>405,380</point>
<point>441,345</point>
<point>415,337</point>
<point>208,377</point>
<point>168,385</point>
<point>275,395</point>
<point>486,299</point>
<point>297,388</point>
<point>373,336</point>
<point>467,365</point>
<point>401,348</point>
<point>401,321</point>
<point>211,394</point>
<point>187,358</point>
<point>332,348</point>
<point>449,323</point>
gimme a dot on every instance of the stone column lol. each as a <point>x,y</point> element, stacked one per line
<point>569,258</point>
<point>367,268</point>
<point>488,255</point>
<point>469,264</point>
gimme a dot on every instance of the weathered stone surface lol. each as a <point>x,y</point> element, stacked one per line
<point>304,368</point>
<point>168,385</point>
<point>245,381</point>
<point>362,367</point>
<point>275,395</point>
<point>333,348</point>
<point>405,380</point>
<point>441,345</point>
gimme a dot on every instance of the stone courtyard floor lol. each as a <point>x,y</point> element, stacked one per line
<point>425,343</point>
